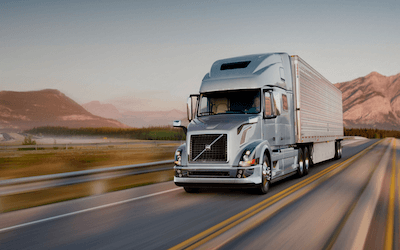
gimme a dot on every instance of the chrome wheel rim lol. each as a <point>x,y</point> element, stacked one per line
<point>307,164</point>
<point>301,166</point>
<point>266,172</point>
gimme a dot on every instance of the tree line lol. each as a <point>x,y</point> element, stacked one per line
<point>371,133</point>
<point>151,133</point>
<point>171,133</point>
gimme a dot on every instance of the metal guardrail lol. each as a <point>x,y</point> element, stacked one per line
<point>24,180</point>
<point>67,145</point>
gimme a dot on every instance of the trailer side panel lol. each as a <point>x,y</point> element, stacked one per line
<point>319,115</point>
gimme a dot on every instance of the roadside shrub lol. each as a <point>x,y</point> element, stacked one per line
<point>28,141</point>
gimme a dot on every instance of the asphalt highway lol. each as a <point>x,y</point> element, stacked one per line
<point>163,216</point>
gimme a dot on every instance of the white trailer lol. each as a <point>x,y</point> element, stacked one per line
<point>319,114</point>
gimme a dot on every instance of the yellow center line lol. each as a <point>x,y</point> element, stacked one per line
<point>390,215</point>
<point>240,217</point>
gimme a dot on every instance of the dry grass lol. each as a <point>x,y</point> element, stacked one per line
<point>58,194</point>
<point>16,164</point>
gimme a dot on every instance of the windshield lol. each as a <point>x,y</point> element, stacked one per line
<point>230,102</point>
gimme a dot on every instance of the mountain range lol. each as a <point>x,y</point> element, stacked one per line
<point>372,101</point>
<point>135,118</point>
<point>49,107</point>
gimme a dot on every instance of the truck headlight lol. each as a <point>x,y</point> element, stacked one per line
<point>247,160</point>
<point>178,157</point>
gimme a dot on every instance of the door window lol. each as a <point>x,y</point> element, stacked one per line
<point>277,103</point>
<point>268,104</point>
<point>284,103</point>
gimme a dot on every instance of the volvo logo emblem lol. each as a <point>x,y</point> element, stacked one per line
<point>208,147</point>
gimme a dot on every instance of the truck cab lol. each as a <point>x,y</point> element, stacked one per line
<point>242,130</point>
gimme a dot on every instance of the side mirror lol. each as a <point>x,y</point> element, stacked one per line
<point>192,106</point>
<point>178,124</point>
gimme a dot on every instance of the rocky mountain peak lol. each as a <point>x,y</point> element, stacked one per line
<point>372,101</point>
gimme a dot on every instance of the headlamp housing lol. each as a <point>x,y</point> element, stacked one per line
<point>247,158</point>
<point>178,157</point>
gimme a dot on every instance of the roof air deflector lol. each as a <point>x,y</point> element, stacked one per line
<point>235,65</point>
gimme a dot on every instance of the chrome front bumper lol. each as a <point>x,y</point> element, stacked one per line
<point>230,179</point>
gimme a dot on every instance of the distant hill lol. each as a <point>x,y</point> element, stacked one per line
<point>136,119</point>
<point>104,110</point>
<point>372,101</point>
<point>153,118</point>
<point>49,107</point>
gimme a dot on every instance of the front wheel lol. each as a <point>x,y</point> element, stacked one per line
<point>265,175</point>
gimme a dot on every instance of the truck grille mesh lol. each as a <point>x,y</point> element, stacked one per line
<point>216,152</point>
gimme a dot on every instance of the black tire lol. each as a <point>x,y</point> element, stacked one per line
<point>300,161</point>
<point>306,160</point>
<point>265,176</point>
<point>191,190</point>
<point>338,150</point>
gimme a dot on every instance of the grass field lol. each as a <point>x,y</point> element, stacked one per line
<point>16,164</point>
<point>57,194</point>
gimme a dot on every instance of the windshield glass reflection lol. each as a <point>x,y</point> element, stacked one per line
<point>230,102</point>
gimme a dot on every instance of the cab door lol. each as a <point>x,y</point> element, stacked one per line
<point>270,128</point>
<point>275,118</point>
<point>276,126</point>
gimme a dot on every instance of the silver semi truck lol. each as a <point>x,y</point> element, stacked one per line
<point>258,119</point>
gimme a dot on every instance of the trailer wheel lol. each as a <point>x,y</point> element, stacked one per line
<point>265,175</point>
<point>306,160</point>
<point>300,161</point>
<point>191,190</point>
<point>338,150</point>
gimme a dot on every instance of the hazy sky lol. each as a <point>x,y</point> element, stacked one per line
<point>149,55</point>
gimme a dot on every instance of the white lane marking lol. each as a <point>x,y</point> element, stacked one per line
<point>85,210</point>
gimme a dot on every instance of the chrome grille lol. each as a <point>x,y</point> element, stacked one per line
<point>208,148</point>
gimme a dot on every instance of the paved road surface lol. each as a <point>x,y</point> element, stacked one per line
<point>162,216</point>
